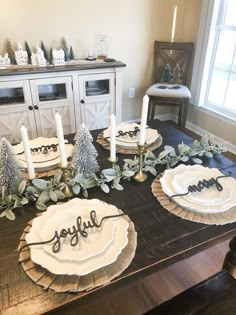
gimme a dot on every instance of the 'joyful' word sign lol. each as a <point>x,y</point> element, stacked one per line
<point>75,232</point>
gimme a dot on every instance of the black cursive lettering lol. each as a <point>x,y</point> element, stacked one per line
<point>202,184</point>
<point>80,229</point>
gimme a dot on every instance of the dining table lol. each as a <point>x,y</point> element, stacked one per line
<point>162,238</point>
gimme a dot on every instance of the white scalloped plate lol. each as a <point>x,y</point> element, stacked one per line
<point>71,267</point>
<point>177,180</point>
<point>150,136</point>
<point>50,164</point>
<point>39,157</point>
<point>97,241</point>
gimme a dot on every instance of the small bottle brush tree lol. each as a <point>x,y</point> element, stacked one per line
<point>176,75</point>
<point>10,168</point>
<point>166,75</point>
<point>84,153</point>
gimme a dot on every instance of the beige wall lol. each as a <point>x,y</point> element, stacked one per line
<point>131,26</point>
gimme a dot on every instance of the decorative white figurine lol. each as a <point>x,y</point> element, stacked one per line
<point>38,59</point>
<point>2,61</point>
<point>21,56</point>
<point>5,61</point>
<point>58,57</point>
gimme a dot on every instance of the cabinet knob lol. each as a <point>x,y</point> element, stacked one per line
<point>36,107</point>
<point>30,107</point>
<point>82,101</point>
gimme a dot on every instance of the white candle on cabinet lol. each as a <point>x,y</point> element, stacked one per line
<point>61,141</point>
<point>112,138</point>
<point>27,151</point>
<point>143,120</point>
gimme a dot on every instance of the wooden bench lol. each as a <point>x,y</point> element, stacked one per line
<point>216,295</point>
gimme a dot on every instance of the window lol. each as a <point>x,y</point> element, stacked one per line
<point>214,77</point>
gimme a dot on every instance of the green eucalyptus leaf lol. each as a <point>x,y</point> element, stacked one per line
<point>76,189</point>
<point>40,183</point>
<point>197,160</point>
<point>16,204</point>
<point>184,158</point>
<point>109,172</point>
<point>209,154</point>
<point>128,173</point>
<point>40,206</point>
<point>10,215</point>
<point>58,176</point>
<point>150,155</point>
<point>105,188</point>
<point>60,194</point>
<point>52,195</point>
<point>21,187</point>
<point>3,214</point>
<point>117,186</point>
<point>24,201</point>
<point>173,163</point>
<point>8,199</point>
<point>131,162</point>
<point>79,178</point>
<point>85,193</point>
<point>43,197</point>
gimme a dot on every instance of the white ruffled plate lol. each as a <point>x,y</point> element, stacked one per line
<point>98,238</point>
<point>126,141</point>
<point>177,180</point>
<point>83,267</point>
<point>39,157</point>
<point>51,163</point>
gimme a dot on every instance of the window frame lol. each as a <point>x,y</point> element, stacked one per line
<point>207,41</point>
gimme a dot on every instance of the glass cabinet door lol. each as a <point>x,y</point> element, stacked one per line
<point>12,96</point>
<point>14,93</point>
<point>51,92</point>
<point>97,87</point>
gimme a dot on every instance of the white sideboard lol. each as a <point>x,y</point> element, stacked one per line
<point>86,93</point>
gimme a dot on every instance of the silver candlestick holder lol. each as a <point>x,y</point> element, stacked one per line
<point>141,176</point>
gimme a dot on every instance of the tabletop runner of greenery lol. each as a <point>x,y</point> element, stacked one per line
<point>45,191</point>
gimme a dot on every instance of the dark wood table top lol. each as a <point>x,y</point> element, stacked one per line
<point>163,238</point>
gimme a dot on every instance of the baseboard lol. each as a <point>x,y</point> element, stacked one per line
<point>201,132</point>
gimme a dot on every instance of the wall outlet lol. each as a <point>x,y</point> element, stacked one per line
<point>131,92</point>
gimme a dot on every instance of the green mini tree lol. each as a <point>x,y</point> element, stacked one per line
<point>84,153</point>
<point>72,56</point>
<point>10,51</point>
<point>10,167</point>
<point>44,51</point>
<point>166,75</point>
<point>176,75</point>
<point>50,57</point>
<point>64,46</point>
<point>27,48</point>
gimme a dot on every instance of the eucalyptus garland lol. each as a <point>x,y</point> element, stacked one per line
<point>44,191</point>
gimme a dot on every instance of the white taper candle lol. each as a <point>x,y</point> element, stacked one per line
<point>112,138</point>
<point>27,151</point>
<point>61,141</point>
<point>143,120</point>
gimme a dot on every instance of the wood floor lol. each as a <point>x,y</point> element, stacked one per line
<point>157,288</point>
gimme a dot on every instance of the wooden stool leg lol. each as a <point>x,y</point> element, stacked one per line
<point>230,258</point>
<point>184,112</point>
<point>180,115</point>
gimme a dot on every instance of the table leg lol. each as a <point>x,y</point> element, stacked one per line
<point>230,258</point>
